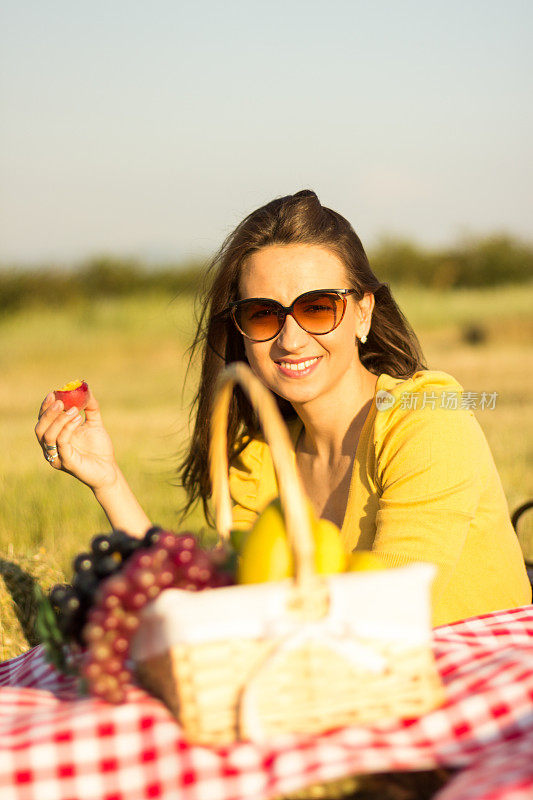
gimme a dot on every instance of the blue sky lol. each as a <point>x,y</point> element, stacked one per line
<point>151,129</point>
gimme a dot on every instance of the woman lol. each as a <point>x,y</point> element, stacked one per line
<point>294,296</point>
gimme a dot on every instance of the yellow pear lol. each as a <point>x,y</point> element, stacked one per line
<point>363,561</point>
<point>329,552</point>
<point>266,554</point>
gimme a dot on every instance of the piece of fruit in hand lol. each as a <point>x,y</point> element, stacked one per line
<point>74,393</point>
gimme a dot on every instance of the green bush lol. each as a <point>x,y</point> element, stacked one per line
<point>491,261</point>
<point>100,277</point>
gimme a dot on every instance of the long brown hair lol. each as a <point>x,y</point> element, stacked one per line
<point>391,345</point>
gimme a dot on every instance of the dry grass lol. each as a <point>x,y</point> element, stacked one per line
<point>19,573</point>
<point>133,353</point>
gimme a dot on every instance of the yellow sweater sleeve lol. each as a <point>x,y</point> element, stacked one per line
<point>435,471</point>
<point>429,465</point>
<point>252,483</point>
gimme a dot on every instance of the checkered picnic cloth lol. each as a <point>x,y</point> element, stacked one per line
<point>55,745</point>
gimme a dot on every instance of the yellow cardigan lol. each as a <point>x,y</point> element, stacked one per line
<point>424,487</point>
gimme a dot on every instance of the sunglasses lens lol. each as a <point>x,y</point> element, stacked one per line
<point>315,312</point>
<point>319,312</point>
<point>258,319</point>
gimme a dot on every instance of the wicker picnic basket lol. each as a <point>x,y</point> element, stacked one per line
<point>303,655</point>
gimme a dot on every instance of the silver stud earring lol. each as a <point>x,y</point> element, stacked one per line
<point>362,338</point>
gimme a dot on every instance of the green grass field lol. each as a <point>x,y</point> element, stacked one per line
<point>133,354</point>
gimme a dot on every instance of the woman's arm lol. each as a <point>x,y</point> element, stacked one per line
<point>122,508</point>
<point>252,483</point>
<point>85,451</point>
<point>441,501</point>
<point>429,467</point>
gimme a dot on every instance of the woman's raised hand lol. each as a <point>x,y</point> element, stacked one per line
<point>80,447</point>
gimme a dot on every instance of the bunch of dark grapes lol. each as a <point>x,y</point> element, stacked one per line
<point>160,561</point>
<point>106,557</point>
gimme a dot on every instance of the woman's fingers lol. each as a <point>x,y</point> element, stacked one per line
<point>47,402</point>
<point>92,409</point>
<point>47,414</point>
<point>49,436</point>
<point>64,437</point>
<point>55,427</point>
<point>48,410</point>
<point>60,456</point>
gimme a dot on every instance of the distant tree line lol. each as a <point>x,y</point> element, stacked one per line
<point>489,261</point>
<point>98,278</point>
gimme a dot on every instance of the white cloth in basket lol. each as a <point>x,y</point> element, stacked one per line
<point>392,606</point>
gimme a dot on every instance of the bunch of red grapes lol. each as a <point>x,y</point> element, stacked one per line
<point>113,583</point>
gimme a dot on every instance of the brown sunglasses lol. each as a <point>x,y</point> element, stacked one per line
<point>318,312</point>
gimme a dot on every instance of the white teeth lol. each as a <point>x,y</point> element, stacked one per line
<point>298,367</point>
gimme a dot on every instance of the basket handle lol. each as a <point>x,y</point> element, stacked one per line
<point>292,496</point>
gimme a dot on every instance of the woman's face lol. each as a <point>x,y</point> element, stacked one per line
<point>283,273</point>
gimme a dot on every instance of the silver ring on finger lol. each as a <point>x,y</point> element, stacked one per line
<point>51,447</point>
<point>51,457</point>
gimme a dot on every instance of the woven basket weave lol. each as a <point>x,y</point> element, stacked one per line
<point>298,672</point>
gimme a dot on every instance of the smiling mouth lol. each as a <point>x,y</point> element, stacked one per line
<point>297,367</point>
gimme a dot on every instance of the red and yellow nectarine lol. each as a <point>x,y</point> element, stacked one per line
<point>74,393</point>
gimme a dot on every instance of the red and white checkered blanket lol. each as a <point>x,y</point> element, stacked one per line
<point>57,746</point>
